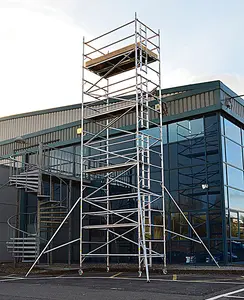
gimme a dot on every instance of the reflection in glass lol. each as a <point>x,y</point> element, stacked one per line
<point>233,224</point>
<point>186,129</point>
<point>235,177</point>
<point>232,131</point>
<point>172,133</point>
<point>199,223</point>
<point>241,225</point>
<point>236,199</point>
<point>233,153</point>
<point>215,224</point>
<point>227,223</point>
<point>214,199</point>
<point>179,225</point>
<point>197,127</point>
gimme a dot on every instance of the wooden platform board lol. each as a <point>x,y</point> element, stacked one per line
<point>103,65</point>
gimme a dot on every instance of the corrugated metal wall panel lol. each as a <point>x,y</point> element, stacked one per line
<point>20,126</point>
<point>32,123</point>
<point>193,101</point>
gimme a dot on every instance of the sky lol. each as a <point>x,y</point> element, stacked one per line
<point>41,45</point>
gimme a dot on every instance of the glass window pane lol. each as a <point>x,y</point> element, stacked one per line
<point>215,224</point>
<point>211,124</point>
<point>199,223</point>
<point>197,127</point>
<point>165,135</point>
<point>166,157</point>
<point>199,200</point>
<point>179,225</point>
<point>155,133</point>
<point>173,155</point>
<point>233,154</point>
<point>235,177</point>
<point>227,223</point>
<point>186,129</point>
<point>213,172</point>
<point>233,224</point>
<point>236,199</point>
<point>183,130</point>
<point>174,184</point>
<point>232,131</point>
<point>172,133</point>
<point>241,225</point>
<point>214,199</point>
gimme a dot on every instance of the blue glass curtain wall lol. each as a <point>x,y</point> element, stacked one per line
<point>233,171</point>
<point>192,174</point>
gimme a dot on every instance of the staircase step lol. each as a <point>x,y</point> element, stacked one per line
<point>51,222</point>
<point>23,252</point>
<point>21,247</point>
<point>24,175</point>
<point>53,212</point>
<point>51,217</point>
<point>50,202</point>
<point>25,256</point>
<point>52,207</point>
<point>44,227</point>
<point>30,172</point>
<point>20,243</point>
<point>24,180</point>
<point>31,189</point>
<point>27,261</point>
<point>25,238</point>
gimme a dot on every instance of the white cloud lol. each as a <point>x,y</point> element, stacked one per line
<point>40,59</point>
<point>181,76</point>
<point>176,77</point>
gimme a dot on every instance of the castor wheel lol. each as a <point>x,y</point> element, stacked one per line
<point>165,271</point>
<point>81,272</point>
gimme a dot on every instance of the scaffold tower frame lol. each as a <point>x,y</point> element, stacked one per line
<point>122,198</point>
<point>127,81</point>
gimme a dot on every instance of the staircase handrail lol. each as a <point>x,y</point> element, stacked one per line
<point>44,170</point>
<point>5,184</point>
<point>20,230</point>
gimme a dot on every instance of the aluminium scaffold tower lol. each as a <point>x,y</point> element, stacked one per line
<point>122,201</point>
<point>122,83</point>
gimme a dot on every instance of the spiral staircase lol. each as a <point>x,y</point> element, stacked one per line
<point>52,206</point>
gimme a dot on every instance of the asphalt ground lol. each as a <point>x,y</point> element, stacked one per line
<point>121,286</point>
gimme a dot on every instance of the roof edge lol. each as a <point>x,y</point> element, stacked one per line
<point>213,84</point>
